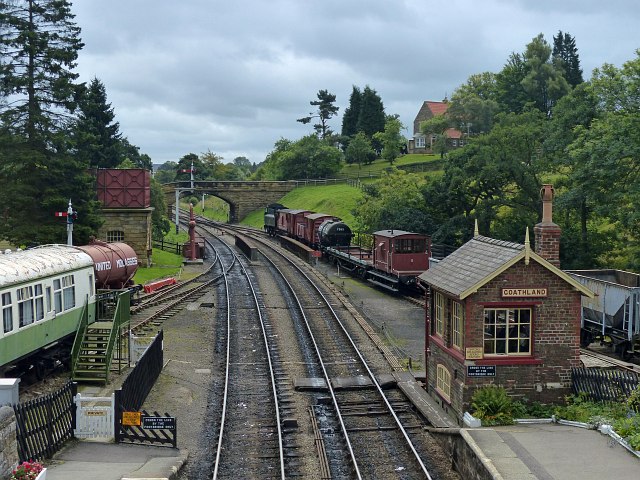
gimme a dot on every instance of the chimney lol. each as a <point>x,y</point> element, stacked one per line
<point>546,232</point>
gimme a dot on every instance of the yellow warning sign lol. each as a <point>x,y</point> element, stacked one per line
<point>131,419</point>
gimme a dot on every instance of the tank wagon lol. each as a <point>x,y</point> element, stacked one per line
<point>393,261</point>
<point>44,292</point>
<point>613,315</point>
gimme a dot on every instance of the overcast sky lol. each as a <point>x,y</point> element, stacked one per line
<point>232,76</point>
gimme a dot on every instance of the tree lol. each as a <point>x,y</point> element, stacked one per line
<point>309,157</point>
<point>96,136</point>
<point>351,114</point>
<point>166,172</point>
<point>564,49</point>
<point>391,139</point>
<point>160,223</point>
<point>132,153</point>
<point>371,118</point>
<point>39,46</point>
<point>359,150</point>
<point>511,95</point>
<point>436,129</point>
<point>474,105</point>
<point>326,110</point>
<point>544,81</point>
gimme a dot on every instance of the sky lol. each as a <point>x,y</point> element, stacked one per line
<point>232,76</point>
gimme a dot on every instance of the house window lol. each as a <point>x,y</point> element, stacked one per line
<point>419,142</point>
<point>456,325</point>
<point>24,296</point>
<point>115,236</point>
<point>7,312</point>
<point>455,142</point>
<point>507,331</point>
<point>444,382</point>
<point>439,314</point>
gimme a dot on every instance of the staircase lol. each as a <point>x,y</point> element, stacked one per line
<point>94,344</point>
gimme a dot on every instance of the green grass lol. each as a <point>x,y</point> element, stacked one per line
<point>338,200</point>
<point>165,264</point>
<point>415,161</point>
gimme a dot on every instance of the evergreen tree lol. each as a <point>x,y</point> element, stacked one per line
<point>351,114</point>
<point>39,46</point>
<point>565,50</point>
<point>326,110</point>
<point>371,118</point>
<point>96,135</point>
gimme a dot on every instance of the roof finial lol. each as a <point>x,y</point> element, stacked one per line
<point>527,247</point>
<point>476,232</point>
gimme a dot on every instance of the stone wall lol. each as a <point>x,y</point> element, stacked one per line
<point>136,225</point>
<point>8,442</point>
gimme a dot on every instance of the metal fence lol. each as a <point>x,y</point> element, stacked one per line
<point>603,385</point>
<point>44,424</point>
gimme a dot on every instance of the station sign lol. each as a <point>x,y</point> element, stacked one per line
<point>131,419</point>
<point>159,423</point>
<point>481,370</point>
<point>524,292</point>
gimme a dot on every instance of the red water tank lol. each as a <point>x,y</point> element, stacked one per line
<point>113,263</point>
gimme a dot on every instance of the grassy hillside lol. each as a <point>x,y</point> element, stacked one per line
<point>412,162</point>
<point>338,200</point>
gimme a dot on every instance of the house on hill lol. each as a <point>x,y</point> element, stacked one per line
<point>498,313</point>
<point>420,143</point>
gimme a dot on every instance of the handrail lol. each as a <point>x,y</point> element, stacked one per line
<point>120,312</point>
<point>77,341</point>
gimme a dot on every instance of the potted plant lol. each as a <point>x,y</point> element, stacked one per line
<point>29,471</point>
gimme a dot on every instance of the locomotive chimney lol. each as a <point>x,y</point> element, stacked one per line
<point>547,233</point>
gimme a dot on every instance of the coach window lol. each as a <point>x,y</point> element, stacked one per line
<point>57,295</point>
<point>25,306</point>
<point>69,292</point>
<point>439,314</point>
<point>115,236</point>
<point>39,301</point>
<point>456,325</point>
<point>507,331</point>
<point>7,312</point>
<point>48,297</point>
<point>443,384</point>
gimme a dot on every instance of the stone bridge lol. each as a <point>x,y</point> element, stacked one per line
<point>242,197</point>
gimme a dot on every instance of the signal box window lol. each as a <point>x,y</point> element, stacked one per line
<point>507,331</point>
<point>115,236</point>
<point>456,325</point>
<point>444,382</point>
<point>439,314</point>
<point>7,312</point>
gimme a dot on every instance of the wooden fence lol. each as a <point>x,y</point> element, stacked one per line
<point>44,424</point>
<point>603,385</point>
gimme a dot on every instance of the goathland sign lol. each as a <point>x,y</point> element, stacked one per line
<point>524,292</point>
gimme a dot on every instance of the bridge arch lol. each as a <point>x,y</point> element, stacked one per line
<point>242,197</point>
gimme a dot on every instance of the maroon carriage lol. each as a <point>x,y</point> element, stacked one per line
<point>401,254</point>
<point>308,232</point>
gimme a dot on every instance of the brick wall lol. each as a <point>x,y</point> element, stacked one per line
<point>136,225</point>
<point>555,333</point>
<point>8,442</point>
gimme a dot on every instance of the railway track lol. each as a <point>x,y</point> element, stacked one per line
<point>250,441</point>
<point>373,433</point>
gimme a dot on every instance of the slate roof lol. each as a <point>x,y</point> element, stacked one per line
<point>470,264</point>
<point>481,259</point>
<point>393,233</point>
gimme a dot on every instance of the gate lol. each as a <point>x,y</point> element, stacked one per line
<point>94,417</point>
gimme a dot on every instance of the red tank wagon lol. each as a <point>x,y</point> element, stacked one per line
<point>115,264</point>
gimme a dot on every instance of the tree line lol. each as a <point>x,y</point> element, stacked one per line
<point>534,122</point>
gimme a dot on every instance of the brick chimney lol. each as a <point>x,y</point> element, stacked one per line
<point>547,233</point>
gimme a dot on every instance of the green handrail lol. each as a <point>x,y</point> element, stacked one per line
<point>77,341</point>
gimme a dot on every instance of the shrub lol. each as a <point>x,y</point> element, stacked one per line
<point>493,406</point>
<point>580,409</point>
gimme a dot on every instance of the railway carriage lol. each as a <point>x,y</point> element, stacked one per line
<point>44,293</point>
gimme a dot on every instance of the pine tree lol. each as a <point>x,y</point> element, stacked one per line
<point>326,110</point>
<point>96,135</point>
<point>371,118</point>
<point>565,50</point>
<point>39,46</point>
<point>351,113</point>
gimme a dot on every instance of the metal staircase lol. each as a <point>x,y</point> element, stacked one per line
<point>95,343</point>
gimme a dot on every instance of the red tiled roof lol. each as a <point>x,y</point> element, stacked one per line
<point>437,108</point>
<point>453,133</point>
